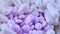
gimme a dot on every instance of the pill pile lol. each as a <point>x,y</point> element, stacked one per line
<point>29,16</point>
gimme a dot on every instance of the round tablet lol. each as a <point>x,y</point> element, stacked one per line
<point>26,28</point>
<point>50,31</point>
<point>38,26</point>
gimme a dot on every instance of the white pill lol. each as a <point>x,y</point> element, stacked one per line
<point>47,1</point>
<point>38,26</point>
<point>35,13</point>
<point>14,26</point>
<point>38,3</point>
<point>40,32</point>
<point>49,27</point>
<point>2,26</point>
<point>26,28</point>
<point>48,17</point>
<point>54,11</point>
<point>3,18</point>
<point>24,8</point>
<point>25,1</point>
<point>22,16</point>
<point>33,8</point>
<point>28,19</point>
<point>7,10</point>
<point>6,29</point>
<point>17,2</point>
<point>50,31</point>
<point>32,1</point>
<point>11,23</point>
<point>37,32</point>
<point>34,32</point>
<point>18,21</point>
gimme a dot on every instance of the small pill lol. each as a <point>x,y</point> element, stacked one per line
<point>14,26</point>
<point>50,32</point>
<point>7,11</point>
<point>7,30</point>
<point>31,1</point>
<point>44,23</point>
<point>26,28</point>
<point>38,26</point>
<point>17,2</point>
<point>34,32</point>
<point>38,3</point>
<point>3,18</point>
<point>29,19</point>
<point>35,13</point>
<point>49,27</point>
<point>37,32</point>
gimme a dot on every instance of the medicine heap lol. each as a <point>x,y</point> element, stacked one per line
<point>29,16</point>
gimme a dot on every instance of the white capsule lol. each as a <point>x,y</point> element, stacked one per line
<point>32,1</point>
<point>57,5</point>
<point>11,23</point>
<point>14,26</point>
<point>38,26</point>
<point>7,11</point>
<point>26,28</point>
<point>24,8</point>
<point>25,1</point>
<point>38,3</point>
<point>50,31</point>
<point>6,29</point>
<point>3,18</point>
<point>48,17</point>
<point>54,12</point>
<point>17,2</point>
<point>2,26</point>
<point>47,1</point>
<point>33,8</point>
